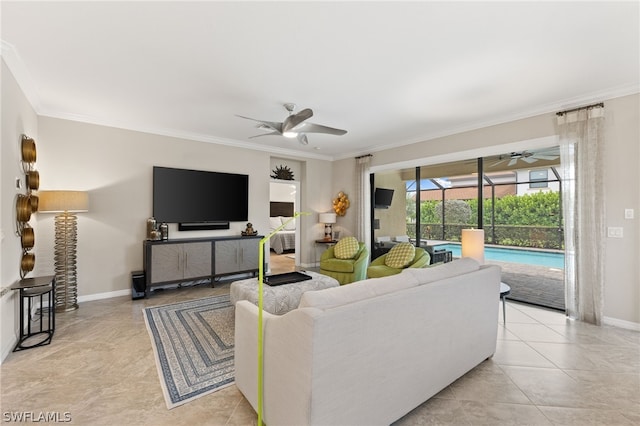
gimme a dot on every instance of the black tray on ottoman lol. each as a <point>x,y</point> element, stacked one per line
<point>286,278</point>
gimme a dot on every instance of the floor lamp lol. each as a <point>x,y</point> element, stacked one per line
<point>66,204</point>
<point>473,244</point>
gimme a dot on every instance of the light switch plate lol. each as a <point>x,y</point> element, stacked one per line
<point>614,232</point>
<point>629,213</point>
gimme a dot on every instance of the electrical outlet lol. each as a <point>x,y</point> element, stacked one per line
<point>628,213</point>
<point>614,232</point>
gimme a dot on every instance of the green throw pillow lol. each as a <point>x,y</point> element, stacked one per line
<point>400,255</point>
<point>346,248</point>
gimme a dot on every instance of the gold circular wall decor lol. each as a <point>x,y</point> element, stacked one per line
<point>27,263</point>
<point>23,208</point>
<point>35,202</point>
<point>33,180</point>
<point>27,239</point>
<point>28,149</point>
<point>341,204</point>
<point>26,204</point>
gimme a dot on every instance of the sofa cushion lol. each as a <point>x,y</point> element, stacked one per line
<point>446,270</point>
<point>400,255</point>
<point>346,248</point>
<point>337,296</point>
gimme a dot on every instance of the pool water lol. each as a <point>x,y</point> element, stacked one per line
<point>503,254</point>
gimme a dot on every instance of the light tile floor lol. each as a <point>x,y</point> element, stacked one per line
<point>547,370</point>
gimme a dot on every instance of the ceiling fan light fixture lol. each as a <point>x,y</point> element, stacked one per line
<point>290,134</point>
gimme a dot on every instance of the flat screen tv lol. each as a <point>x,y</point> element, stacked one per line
<point>382,198</point>
<point>195,196</point>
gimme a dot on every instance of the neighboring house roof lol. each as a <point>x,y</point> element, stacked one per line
<point>467,193</point>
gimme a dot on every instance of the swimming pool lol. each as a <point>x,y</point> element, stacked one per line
<point>504,254</point>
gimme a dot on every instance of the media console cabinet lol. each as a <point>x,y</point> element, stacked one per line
<point>182,260</point>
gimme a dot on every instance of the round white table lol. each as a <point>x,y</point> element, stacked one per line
<point>504,291</point>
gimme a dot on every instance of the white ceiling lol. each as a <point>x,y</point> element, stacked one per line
<point>390,73</point>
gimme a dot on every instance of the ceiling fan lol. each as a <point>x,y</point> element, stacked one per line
<point>294,126</point>
<point>527,157</point>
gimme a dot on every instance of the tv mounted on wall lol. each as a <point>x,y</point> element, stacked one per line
<point>382,198</point>
<point>199,199</point>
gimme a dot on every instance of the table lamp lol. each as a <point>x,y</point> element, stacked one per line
<point>66,204</point>
<point>328,219</point>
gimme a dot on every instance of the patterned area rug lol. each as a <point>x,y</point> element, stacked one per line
<point>193,345</point>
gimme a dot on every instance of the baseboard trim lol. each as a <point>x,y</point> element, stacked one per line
<point>107,295</point>
<point>7,350</point>
<point>629,325</point>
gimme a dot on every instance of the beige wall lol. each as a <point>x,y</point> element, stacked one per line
<point>18,118</point>
<point>393,221</point>
<point>344,180</point>
<point>115,167</point>
<point>621,178</point>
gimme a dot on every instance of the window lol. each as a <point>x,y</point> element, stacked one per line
<point>538,178</point>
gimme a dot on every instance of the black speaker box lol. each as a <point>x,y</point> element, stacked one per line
<point>138,285</point>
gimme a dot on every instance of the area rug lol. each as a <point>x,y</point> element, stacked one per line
<point>193,346</point>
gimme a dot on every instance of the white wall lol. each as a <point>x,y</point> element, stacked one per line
<point>18,118</point>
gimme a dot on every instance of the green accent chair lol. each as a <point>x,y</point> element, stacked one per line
<point>345,270</point>
<point>378,268</point>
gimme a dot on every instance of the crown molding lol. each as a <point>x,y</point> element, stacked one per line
<point>600,96</point>
<point>178,134</point>
<point>20,73</point>
<point>24,80</point>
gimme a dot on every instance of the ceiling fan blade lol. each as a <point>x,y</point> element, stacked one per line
<point>302,138</point>
<point>512,162</point>
<point>545,157</point>
<point>497,162</point>
<point>529,159</point>
<point>270,124</point>
<point>266,134</point>
<point>318,128</point>
<point>295,120</point>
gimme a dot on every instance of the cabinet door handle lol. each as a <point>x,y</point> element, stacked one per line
<point>186,260</point>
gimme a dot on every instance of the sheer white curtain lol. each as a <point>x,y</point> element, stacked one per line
<point>583,198</point>
<point>362,199</point>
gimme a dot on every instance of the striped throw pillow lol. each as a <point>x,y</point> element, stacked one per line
<point>400,255</point>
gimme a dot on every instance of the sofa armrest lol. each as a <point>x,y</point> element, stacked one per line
<point>378,260</point>
<point>246,349</point>
<point>288,361</point>
<point>360,266</point>
<point>422,261</point>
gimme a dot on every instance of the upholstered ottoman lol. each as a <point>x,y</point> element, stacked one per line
<point>279,300</point>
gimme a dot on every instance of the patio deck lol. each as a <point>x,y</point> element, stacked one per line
<point>537,285</point>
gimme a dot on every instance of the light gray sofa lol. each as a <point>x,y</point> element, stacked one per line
<point>370,352</point>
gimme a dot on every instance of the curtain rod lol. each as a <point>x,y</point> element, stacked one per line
<point>364,156</point>
<point>598,105</point>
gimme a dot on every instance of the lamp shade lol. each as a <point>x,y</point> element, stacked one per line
<point>63,201</point>
<point>327,218</point>
<point>473,244</point>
